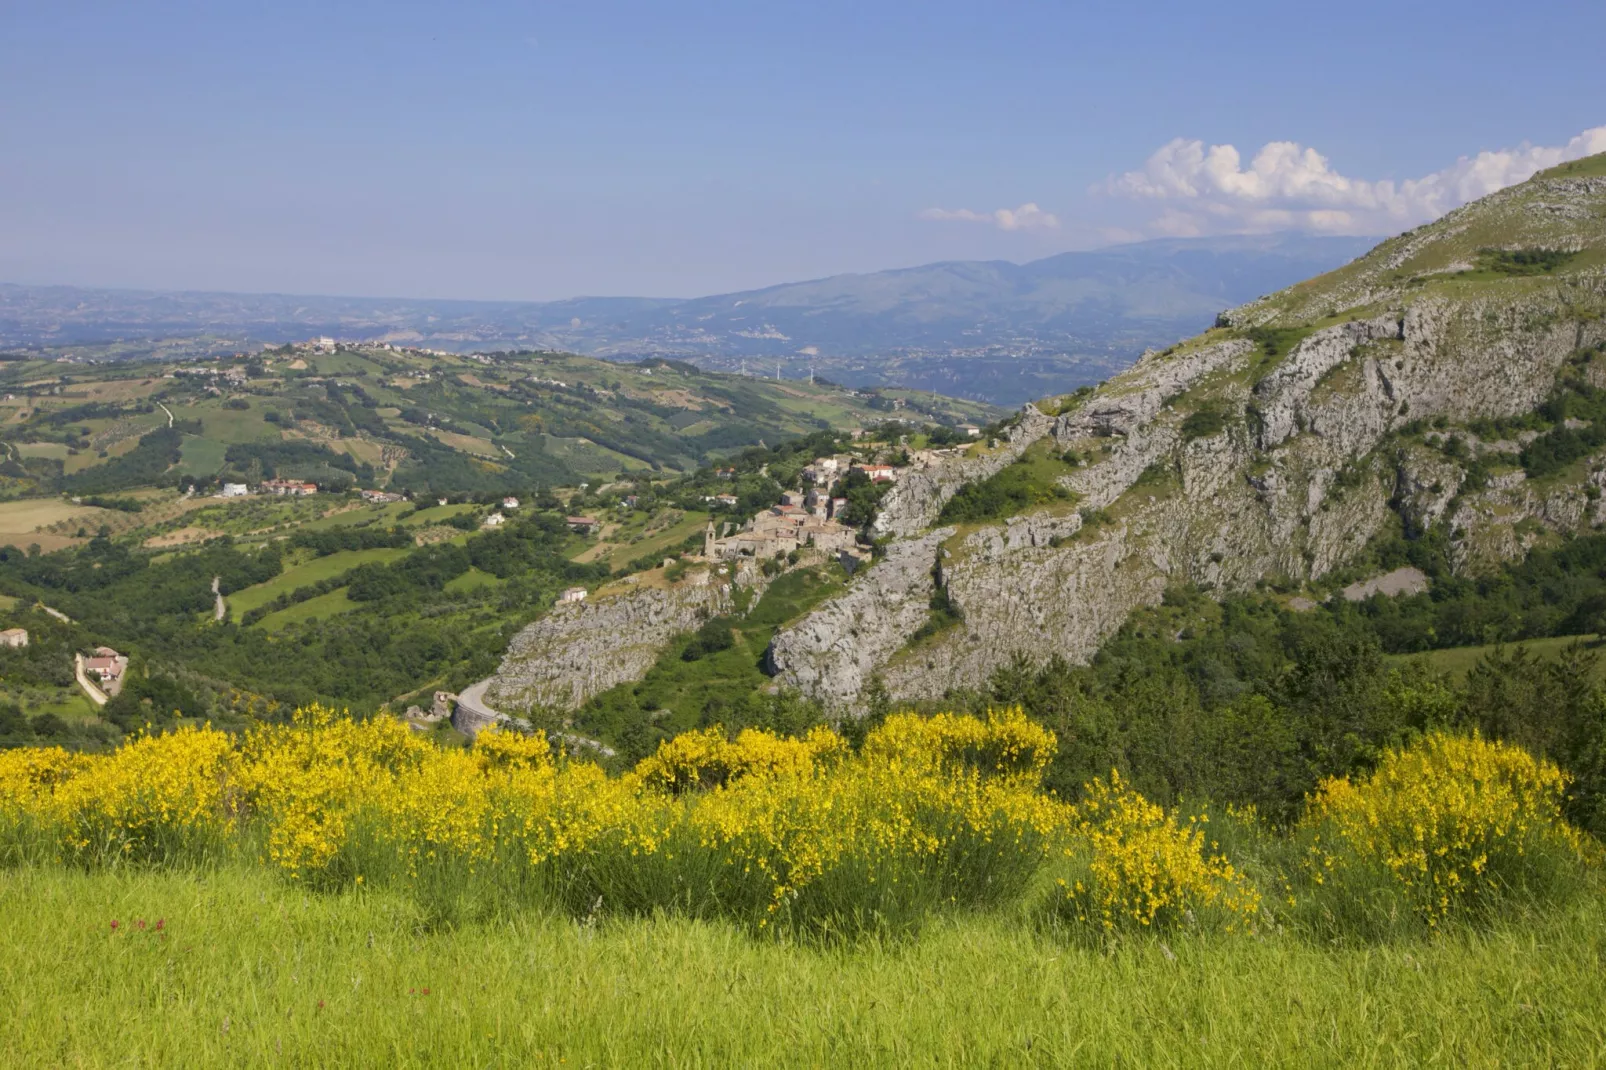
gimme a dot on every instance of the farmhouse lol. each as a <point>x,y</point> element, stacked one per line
<point>234,490</point>
<point>291,487</point>
<point>572,594</point>
<point>581,525</point>
<point>495,520</point>
<point>106,663</point>
<point>380,497</point>
<point>14,637</point>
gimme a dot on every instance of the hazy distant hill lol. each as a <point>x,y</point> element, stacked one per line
<point>993,330</point>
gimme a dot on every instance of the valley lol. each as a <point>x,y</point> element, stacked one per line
<point>861,536</point>
<point>993,331</point>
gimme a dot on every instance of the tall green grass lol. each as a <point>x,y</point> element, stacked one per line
<point>247,971</point>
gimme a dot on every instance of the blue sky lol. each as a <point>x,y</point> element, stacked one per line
<point>534,151</point>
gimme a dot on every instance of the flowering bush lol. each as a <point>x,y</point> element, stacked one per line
<point>798,834</point>
<point>157,798</point>
<point>1007,743</point>
<point>1449,821</point>
<point>707,759</point>
<point>1137,866</point>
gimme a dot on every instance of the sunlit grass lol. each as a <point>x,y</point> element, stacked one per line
<point>247,970</point>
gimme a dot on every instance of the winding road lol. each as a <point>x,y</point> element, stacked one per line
<point>481,716</point>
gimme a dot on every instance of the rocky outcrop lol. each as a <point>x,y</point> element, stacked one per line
<point>1504,520</point>
<point>1282,397</point>
<point>1311,435</point>
<point>1129,457</point>
<point>1045,586</point>
<point>1294,487</point>
<point>1427,484</point>
<point>580,649</point>
<point>914,502</point>
<point>1136,396</point>
<point>831,654</point>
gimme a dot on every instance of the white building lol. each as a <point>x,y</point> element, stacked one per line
<point>234,490</point>
<point>510,503</point>
<point>572,594</point>
<point>14,637</point>
<point>495,520</point>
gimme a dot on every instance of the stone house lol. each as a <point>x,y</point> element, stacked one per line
<point>878,473</point>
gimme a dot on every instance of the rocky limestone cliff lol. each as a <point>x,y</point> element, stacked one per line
<point>832,653</point>
<point>914,502</point>
<point>581,649</point>
<point>1294,484</point>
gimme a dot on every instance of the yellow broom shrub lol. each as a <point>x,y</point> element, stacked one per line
<point>1449,819</point>
<point>1144,868</point>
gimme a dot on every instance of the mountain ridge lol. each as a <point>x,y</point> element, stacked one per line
<point>1450,384</point>
<point>992,330</point>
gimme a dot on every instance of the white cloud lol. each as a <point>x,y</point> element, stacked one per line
<point>1291,186</point>
<point>1027,217</point>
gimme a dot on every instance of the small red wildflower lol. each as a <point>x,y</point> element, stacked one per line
<point>114,925</point>
<point>320,1004</point>
<point>160,924</point>
<point>142,924</point>
<point>426,991</point>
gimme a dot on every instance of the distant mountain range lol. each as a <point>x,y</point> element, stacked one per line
<point>989,330</point>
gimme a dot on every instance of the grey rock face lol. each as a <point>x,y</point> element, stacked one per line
<point>1136,396</point>
<point>831,654</point>
<point>1292,488</point>
<point>1282,396</point>
<point>583,648</point>
<point>914,502</point>
<point>1428,482</point>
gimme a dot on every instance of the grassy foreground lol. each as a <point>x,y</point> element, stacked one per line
<point>249,970</point>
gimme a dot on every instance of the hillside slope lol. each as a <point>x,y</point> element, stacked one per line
<point>406,420</point>
<point>1446,381</point>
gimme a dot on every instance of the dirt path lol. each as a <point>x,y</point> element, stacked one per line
<point>167,410</point>
<point>96,695</point>
<point>221,612</point>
